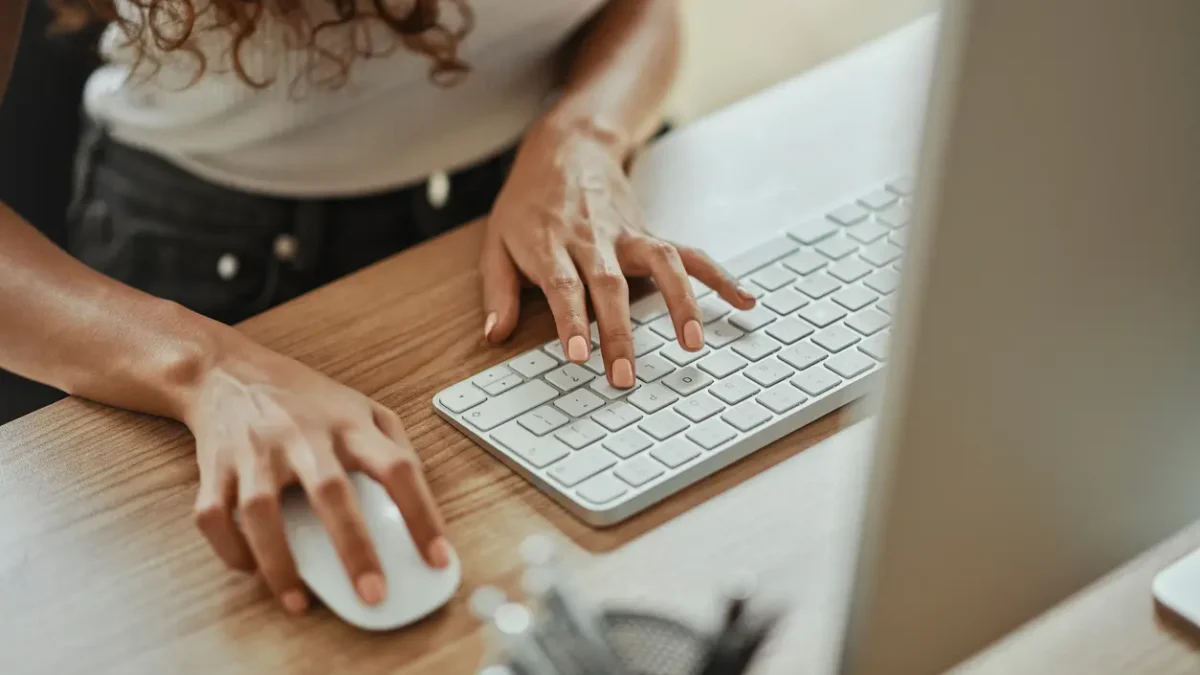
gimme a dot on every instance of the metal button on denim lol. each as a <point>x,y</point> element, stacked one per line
<point>227,266</point>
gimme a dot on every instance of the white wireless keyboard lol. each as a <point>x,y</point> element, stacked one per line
<point>816,341</point>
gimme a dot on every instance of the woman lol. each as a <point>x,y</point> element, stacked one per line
<point>245,151</point>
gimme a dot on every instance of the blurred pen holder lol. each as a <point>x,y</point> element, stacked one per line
<point>650,644</point>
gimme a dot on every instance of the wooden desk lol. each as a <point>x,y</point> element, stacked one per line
<point>101,570</point>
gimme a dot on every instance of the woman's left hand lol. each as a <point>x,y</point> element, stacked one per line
<point>569,221</point>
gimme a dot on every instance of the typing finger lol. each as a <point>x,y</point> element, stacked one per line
<point>666,267</point>
<point>564,292</point>
<point>700,265</point>
<point>610,299</point>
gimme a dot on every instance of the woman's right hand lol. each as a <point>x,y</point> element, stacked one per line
<point>263,421</point>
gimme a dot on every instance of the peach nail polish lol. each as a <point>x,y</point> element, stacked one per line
<point>577,349</point>
<point>693,335</point>
<point>622,373</point>
<point>488,325</point>
<point>294,602</point>
<point>439,552</point>
<point>371,588</point>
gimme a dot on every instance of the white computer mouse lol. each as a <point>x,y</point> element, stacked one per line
<point>414,589</point>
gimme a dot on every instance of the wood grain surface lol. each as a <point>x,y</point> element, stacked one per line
<point>102,571</point>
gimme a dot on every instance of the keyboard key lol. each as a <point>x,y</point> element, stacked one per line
<point>496,411</point>
<point>664,326</point>
<point>595,362</point>
<point>836,338</point>
<point>821,314</point>
<point>601,489</point>
<point>803,355</point>
<point>494,374</point>
<point>680,356</point>
<point>785,301</point>
<point>876,346</point>
<point>570,376</point>
<point>746,416</point>
<point>500,386</point>
<point>869,322</point>
<point>699,290</point>
<point>652,398</point>
<point>639,471</point>
<point>848,214</point>
<point>543,420</point>
<point>533,363</point>
<point>721,364</point>
<point>579,403</point>
<point>805,262</point>
<point>781,399</point>
<point>868,231</point>
<point>602,386</point>
<point>769,372</point>
<point>903,185</point>
<point>734,389</point>
<point>645,341</point>
<point>760,256</point>
<point>836,248</point>
<point>885,281</point>
<point>896,215</point>
<point>899,237</point>
<point>554,348</point>
<point>812,231</point>
<point>774,277</point>
<point>699,407</point>
<point>627,443</point>
<point>617,416</point>
<point>880,199</point>
<point>582,465</point>
<point>664,425</point>
<point>711,434</point>
<point>815,381</point>
<point>676,452</point>
<point>755,346</point>
<point>854,298</point>
<point>461,397</point>
<point>754,290</point>
<point>687,380</point>
<point>538,452</point>
<point>851,269</point>
<point>651,367</point>
<point>752,319</point>
<point>648,308</point>
<point>580,433</point>
<point>789,330</point>
<point>720,333</point>
<point>887,304</point>
<point>818,285</point>
<point>850,363</point>
<point>881,253</point>
<point>712,308</point>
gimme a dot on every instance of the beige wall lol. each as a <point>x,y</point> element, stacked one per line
<point>736,47</point>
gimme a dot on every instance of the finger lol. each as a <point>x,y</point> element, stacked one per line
<point>388,457</point>
<point>214,518</point>
<point>700,265</point>
<point>665,266</point>
<point>262,523</point>
<point>501,292</point>
<point>564,292</point>
<point>610,298</point>
<point>335,502</point>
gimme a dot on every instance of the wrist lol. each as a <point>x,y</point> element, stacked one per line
<point>566,122</point>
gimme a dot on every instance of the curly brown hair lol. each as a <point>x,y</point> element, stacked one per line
<point>328,35</point>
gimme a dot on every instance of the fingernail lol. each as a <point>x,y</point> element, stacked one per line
<point>439,552</point>
<point>622,373</point>
<point>693,335</point>
<point>371,588</point>
<point>295,602</point>
<point>488,325</point>
<point>577,349</point>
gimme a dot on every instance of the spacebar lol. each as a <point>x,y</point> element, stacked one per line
<point>496,411</point>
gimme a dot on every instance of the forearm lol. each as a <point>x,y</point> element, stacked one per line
<point>70,327</point>
<point>622,73</point>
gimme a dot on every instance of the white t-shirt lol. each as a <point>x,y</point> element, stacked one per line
<point>388,125</point>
